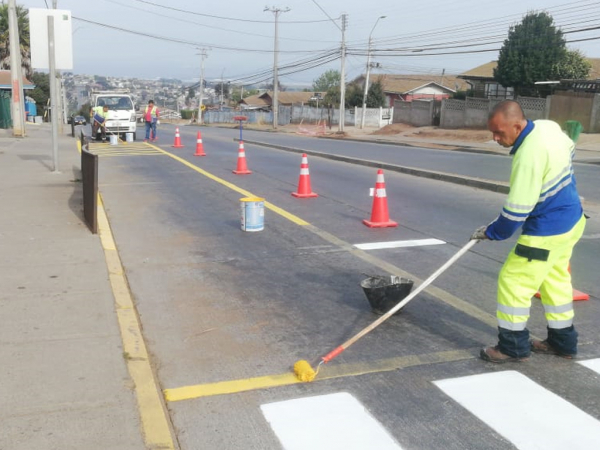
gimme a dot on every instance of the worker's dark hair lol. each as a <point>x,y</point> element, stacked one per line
<point>151,101</point>
<point>509,110</point>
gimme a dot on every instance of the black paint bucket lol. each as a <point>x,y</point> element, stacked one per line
<point>383,293</point>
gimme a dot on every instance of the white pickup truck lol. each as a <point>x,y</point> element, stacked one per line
<point>121,112</point>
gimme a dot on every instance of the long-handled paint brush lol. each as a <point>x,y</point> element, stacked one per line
<point>304,371</point>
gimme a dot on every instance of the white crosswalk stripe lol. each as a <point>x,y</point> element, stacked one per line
<point>327,422</point>
<point>525,413</point>
<point>593,364</point>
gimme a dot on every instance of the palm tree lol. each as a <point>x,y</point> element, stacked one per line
<point>23,26</point>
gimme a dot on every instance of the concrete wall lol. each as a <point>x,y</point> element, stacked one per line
<point>421,114</point>
<point>595,117</point>
<point>416,113</point>
<point>476,112</point>
<point>580,106</point>
<point>401,112</point>
<point>473,112</point>
<point>453,114</point>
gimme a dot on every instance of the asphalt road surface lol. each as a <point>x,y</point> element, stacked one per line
<point>226,313</point>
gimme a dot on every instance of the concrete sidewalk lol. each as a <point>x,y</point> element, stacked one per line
<point>63,378</point>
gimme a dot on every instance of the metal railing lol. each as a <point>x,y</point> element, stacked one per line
<point>89,181</point>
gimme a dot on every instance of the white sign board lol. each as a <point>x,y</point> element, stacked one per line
<point>63,38</point>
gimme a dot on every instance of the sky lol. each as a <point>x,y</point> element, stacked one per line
<point>166,38</point>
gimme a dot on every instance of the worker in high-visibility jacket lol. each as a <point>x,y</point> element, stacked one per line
<point>151,119</point>
<point>543,200</point>
<point>98,116</point>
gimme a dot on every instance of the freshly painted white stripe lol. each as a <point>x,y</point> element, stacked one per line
<point>593,364</point>
<point>397,244</point>
<point>525,413</point>
<point>326,422</point>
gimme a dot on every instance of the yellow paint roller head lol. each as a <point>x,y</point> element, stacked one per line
<point>304,372</point>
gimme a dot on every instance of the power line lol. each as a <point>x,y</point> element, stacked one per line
<point>182,41</point>
<point>229,30</point>
<point>225,18</point>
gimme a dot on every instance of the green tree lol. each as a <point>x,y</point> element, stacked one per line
<point>41,93</point>
<point>326,81</point>
<point>354,95</point>
<point>84,110</point>
<point>23,26</point>
<point>332,97</point>
<point>532,52</point>
<point>573,66</point>
<point>375,96</point>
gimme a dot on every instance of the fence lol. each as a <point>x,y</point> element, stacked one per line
<point>473,112</point>
<point>287,114</point>
<point>89,181</point>
<point>5,113</point>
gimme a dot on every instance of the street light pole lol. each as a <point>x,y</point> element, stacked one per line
<point>343,76</point>
<point>203,54</point>
<point>364,104</point>
<point>275,105</point>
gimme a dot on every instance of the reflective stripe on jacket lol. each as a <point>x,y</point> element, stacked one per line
<point>153,111</point>
<point>543,195</point>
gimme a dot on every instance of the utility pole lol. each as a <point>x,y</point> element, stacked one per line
<point>343,76</point>
<point>204,56</point>
<point>221,103</point>
<point>54,111</point>
<point>18,102</point>
<point>364,104</point>
<point>275,105</point>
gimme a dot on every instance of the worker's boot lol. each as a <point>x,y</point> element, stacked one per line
<point>544,348</point>
<point>493,354</point>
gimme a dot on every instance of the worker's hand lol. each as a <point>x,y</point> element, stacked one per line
<point>479,233</point>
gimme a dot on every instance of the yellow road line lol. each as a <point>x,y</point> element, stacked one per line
<point>326,373</point>
<point>155,424</point>
<point>291,217</point>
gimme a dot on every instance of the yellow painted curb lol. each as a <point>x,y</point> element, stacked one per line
<point>155,424</point>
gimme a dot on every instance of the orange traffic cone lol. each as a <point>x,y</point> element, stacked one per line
<point>177,143</point>
<point>304,190</point>
<point>380,217</point>
<point>199,146</point>
<point>242,169</point>
<point>577,295</point>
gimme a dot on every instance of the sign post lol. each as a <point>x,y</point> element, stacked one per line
<point>240,119</point>
<point>51,48</point>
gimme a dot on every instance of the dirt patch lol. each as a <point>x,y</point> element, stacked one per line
<point>394,128</point>
<point>452,135</point>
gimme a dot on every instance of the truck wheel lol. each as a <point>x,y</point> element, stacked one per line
<point>134,136</point>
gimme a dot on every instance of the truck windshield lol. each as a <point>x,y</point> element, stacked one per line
<point>116,103</point>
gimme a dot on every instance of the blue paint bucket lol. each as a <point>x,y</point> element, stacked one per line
<point>253,213</point>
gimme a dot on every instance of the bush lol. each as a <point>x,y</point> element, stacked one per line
<point>187,113</point>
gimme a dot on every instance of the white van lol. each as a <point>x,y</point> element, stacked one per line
<point>121,112</point>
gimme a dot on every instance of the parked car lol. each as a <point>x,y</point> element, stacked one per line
<point>79,120</point>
